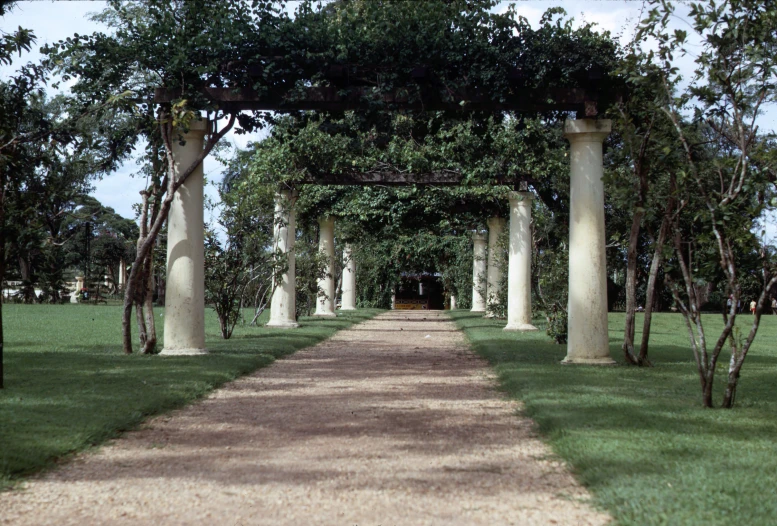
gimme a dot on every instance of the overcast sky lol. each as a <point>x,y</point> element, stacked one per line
<point>52,21</point>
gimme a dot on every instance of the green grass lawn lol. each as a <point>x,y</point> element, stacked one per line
<point>68,385</point>
<point>639,438</point>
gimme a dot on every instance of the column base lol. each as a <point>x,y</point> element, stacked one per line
<point>347,308</point>
<point>477,310</point>
<point>183,352</point>
<point>589,361</point>
<point>325,315</point>
<point>520,327</point>
<point>282,324</point>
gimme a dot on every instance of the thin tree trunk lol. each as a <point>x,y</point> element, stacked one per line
<point>25,269</point>
<point>142,332</point>
<point>149,345</point>
<point>174,181</point>
<point>631,290</point>
<point>641,173</point>
<point>658,253</point>
<point>707,395</point>
<point>160,284</point>
<point>738,359</point>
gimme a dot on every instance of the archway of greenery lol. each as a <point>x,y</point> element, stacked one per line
<point>360,54</point>
<point>466,162</point>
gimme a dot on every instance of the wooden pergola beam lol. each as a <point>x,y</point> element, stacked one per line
<point>332,98</point>
<point>448,178</point>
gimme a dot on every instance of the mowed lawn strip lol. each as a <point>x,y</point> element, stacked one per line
<point>68,385</point>
<point>639,438</point>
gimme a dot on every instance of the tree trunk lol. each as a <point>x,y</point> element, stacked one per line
<point>28,290</point>
<point>707,392</point>
<point>148,307</point>
<point>160,283</point>
<point>142,332</point>
<point>223,324</point>
<point>631,290</point>
<point>168,188</point>
<point>658,253</point>
<point>731,385</point>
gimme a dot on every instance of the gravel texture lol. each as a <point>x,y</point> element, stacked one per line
<point>394,421</point>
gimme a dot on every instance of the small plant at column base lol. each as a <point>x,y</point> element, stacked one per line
<point>557,324</point>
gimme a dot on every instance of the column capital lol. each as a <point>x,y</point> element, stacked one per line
<point>587,130</point>
<point>197,129</point>
<point>326,220</point>
<point>289,195</point>
<point>496,222</point>
<point>479,236</point>
<point>527,197</point>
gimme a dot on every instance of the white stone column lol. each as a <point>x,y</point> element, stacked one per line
<point>349,280</point>
<point>122,274</point>
<point>453,302</point>
<point>479,272</point>
<point>325,305</point>
<point>393,301</point>
<point>79,285</point>
<point>587,329</point>
<point>519,264</point>
<point>185,285</point>
<point>283,305</point>
<point>493,274</point>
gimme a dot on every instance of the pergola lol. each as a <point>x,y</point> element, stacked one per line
<point>588,337</point>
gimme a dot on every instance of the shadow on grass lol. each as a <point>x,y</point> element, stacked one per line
<point>638,437</point>
<point>324,408</point>
<point>69,386</point>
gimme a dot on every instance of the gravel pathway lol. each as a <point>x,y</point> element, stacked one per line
<point>391,422</point>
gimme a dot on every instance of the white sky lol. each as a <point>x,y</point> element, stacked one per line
<point>52,21</point>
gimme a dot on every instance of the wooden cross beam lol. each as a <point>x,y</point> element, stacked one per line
<point>332,98</point>
<point>445,178</point>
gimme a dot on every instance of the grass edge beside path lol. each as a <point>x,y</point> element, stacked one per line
<point>638,438</point>
<point>69,387</point>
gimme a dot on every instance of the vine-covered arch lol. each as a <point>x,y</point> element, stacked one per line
<point>240,62</point>
<point>493,68</point>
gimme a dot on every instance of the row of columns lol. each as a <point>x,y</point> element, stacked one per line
<point>587,340</point>
<point>587,309</point>
<point>283,302</point>
<point>486,277</point>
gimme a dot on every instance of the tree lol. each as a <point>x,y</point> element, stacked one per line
<point>239,261</point>
<point>15,128</point>
<point>470,50</point>
<point>718,183</point>
<point>162,44</point>
<point>640,157</point>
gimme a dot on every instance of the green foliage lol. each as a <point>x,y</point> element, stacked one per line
<point>17,42</point>
<point>310,267</point>
<point>239,262</point>
<point>497,303</point>
<point>558,321</point>
<point>466,47</point>
<point>69,387</point>
<point>413,229</point>
<point>721,182</point>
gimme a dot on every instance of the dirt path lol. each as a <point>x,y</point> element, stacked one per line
<point>391,422</point>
